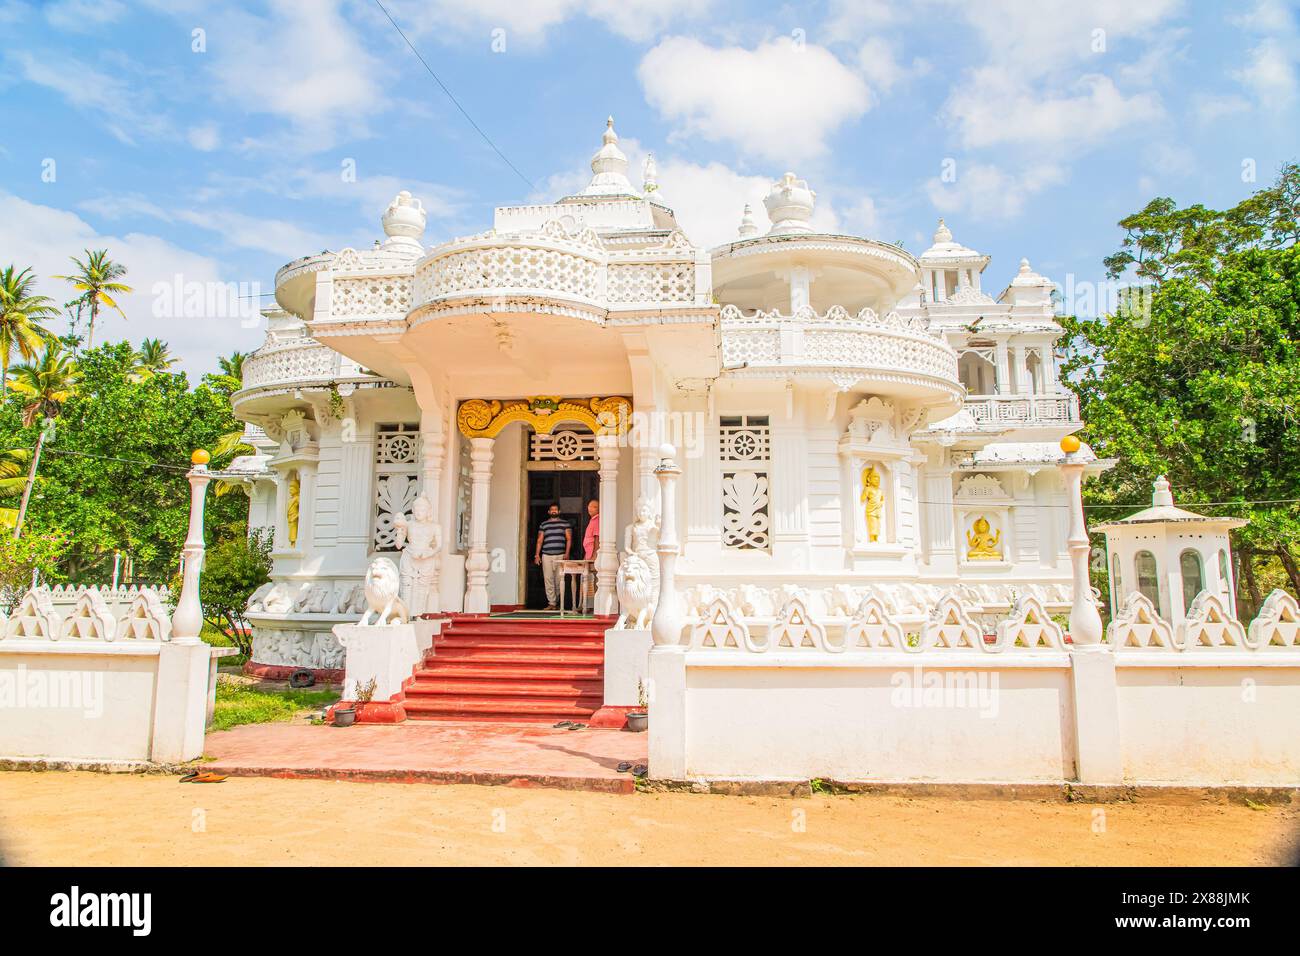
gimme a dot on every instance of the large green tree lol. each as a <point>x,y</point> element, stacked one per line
<point>112,477</point>
<point>1197,373</point>
<point>96,279</point>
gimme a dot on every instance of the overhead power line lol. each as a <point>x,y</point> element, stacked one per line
<point>443,86</point>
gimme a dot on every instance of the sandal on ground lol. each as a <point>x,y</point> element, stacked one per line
<point>639,770</point>
<point>209,777</point>
<point>563,725</point>
<point>577,726</point>
<point>624,766</point>
<point>189,777</point>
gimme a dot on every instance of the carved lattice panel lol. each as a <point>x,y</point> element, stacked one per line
<point>397,466</point>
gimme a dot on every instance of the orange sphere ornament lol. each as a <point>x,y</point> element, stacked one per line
<point>200,457</point>
<point>1070,444</point>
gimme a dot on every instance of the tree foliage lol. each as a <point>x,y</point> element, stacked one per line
<point>232,570</point>
<point>112,476</point>
<point>1197,374</point>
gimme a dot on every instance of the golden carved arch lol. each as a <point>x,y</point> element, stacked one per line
<point>482,418</point>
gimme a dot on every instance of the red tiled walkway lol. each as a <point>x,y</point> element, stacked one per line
<point>442,752</point>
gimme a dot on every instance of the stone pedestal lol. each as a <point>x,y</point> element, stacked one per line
<point>388,654</point>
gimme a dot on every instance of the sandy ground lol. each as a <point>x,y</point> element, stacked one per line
<point>65,819</point>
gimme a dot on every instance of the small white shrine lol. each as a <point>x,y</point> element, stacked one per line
<point>1170,557</point>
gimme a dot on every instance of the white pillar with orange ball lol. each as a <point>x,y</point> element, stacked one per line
<point>186,665</point>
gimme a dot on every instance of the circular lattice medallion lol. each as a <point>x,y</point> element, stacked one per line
<point>566,445</point>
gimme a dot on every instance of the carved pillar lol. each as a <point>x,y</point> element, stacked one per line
<point>307,480</point>
<point>607,551</point>
<point>1004,386</point>
<point>187,621</point>
<point>941,553</point>
<point>477,563</point>
<point>1085,621</point>
<point>1020,377</point>
<point>666,625</point>
<point>432,446</point>
<point>281,537</point>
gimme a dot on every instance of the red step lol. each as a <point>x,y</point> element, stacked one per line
<point>501,669</point>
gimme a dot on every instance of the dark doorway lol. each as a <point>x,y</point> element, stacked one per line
<point>571,490</point>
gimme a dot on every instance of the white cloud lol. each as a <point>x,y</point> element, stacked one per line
<point>997,107</point>
<point>528,21</point>
<point>43,237</point>
<point>1270,74</point>
<point>983,190</point>
<point>108,99</point>
<point>882,68</point>
<point>205,137</point>
<point>274,236</point>
<point>1209,108</point>
<point>303,62</point>
<point>83,16</point>
<point>780,101</point>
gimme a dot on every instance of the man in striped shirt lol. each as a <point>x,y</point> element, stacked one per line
<point>554,539</point>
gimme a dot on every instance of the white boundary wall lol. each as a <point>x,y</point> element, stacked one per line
<point>871,702</point>
<point>95,686</point>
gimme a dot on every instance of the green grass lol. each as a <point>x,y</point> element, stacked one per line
<point>243,704</point>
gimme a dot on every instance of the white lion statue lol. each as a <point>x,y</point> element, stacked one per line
<point>383,583</point>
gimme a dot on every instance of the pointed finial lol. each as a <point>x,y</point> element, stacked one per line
<point>1024,267</point>
<point>649,174</point>
<point>1161,496</point>
<point>747,225</point>
<point>942,233</point>
<point>609,167</point>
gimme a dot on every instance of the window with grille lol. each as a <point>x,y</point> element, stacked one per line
<point>745,450</point>
<point>397,479</point>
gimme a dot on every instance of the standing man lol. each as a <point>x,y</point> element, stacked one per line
<point>554,539</point>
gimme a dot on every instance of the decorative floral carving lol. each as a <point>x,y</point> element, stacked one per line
<point>745,510</point>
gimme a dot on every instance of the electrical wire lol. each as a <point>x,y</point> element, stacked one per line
<point>487,139</point>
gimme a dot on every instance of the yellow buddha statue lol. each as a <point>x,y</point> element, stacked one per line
<point>982,545</point>
<point>291,512</point>
<point>873,501</point>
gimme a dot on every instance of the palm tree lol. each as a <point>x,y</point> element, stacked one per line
<point>45,385</point>
<point>153,358</point>
<point>13,462</point>
<point>21,313</point>
<point>95,279</point>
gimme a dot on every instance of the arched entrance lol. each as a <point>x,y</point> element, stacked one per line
<point>565,439</point>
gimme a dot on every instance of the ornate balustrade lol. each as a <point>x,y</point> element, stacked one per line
<point>296,361</point>
<point>842,345</point>
<point>1053,408</point>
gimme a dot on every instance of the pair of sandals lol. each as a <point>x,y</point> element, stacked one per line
<point>202,776</point>
<point>637,770</point>
<point>569,725</point>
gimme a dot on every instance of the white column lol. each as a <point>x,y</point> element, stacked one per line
<point>1003,384</point>
<point>940,550</point>
<point>281,538</point>
<point>477,563</point>
<point>187,621</point>
<point>432,447</point>
<point>306,508</point>
<point>1085,621</point>
<point>1020,380</point>
<point>666,625</point>
<point>607,451</point>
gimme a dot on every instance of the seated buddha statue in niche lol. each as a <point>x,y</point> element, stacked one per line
<point>982,545</point>
<point>873,501</point>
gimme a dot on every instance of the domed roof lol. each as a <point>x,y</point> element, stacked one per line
<point>609,168</point>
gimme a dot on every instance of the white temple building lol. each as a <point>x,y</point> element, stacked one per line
<point>847,416</point>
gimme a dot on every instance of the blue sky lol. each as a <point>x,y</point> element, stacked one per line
<point>210,140</point>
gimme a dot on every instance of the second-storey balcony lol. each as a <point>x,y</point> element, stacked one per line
<point>293,362</point>
<point>1049,409</point>
<point>886,355</point>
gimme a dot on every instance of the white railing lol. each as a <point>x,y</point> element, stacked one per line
<point>1052,408</point>
<point>296,361</point>
<point>838,339</point>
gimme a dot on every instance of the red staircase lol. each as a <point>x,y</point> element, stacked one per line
<point>511,669</point>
